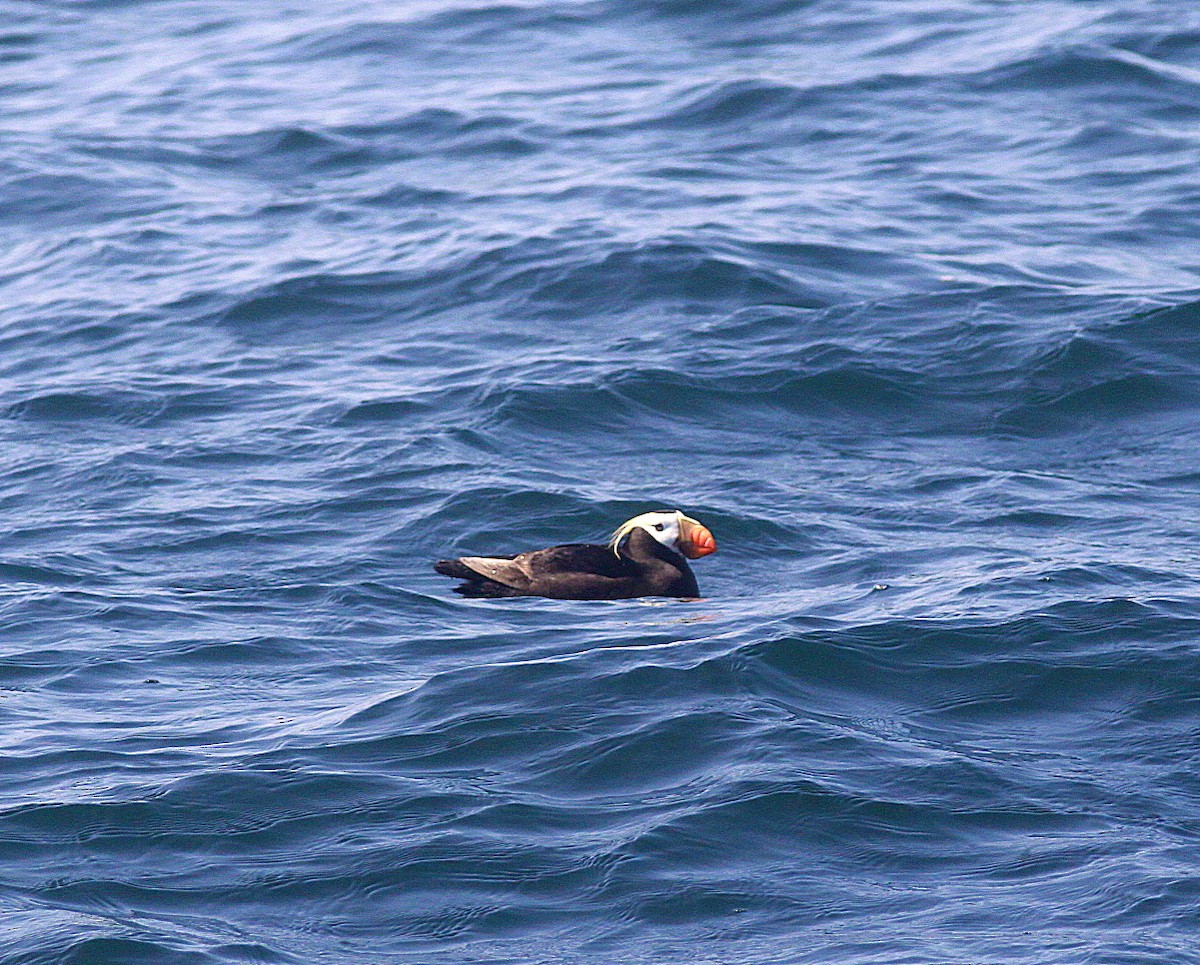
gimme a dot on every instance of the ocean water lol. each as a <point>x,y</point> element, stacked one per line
<point>900,298</point>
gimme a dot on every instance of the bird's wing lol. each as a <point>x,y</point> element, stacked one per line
<point>512,572</point>
<point>578,558</point>
<point>528,571</point>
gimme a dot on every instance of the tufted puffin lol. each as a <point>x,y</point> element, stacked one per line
<point>647,556</point>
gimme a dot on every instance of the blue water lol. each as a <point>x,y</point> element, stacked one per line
<point>900,298</point>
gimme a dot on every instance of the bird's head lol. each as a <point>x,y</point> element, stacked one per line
<point>671,528</point>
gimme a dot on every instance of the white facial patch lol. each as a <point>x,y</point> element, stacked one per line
<point>663,526</point>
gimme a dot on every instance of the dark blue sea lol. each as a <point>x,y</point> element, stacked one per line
<point>900,298</point>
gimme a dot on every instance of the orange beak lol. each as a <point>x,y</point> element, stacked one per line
<point>697,540</point>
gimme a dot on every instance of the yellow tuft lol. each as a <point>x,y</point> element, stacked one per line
<point>622,531</point>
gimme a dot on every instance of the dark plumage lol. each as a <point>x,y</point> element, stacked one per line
<point>646,558</point>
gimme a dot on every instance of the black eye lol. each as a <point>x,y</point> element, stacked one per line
<point>660,526</point>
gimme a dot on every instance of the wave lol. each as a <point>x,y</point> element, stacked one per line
<point>715,10</point>
<point>63,944</point>
<point>1093,377</point>
<point>1143,365</point>
<point>549,278</point>
<point>148,405</point>
<point>477,26</point>
<point>1112,69</point>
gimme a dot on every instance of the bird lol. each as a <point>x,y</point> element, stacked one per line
<point>647,556</point>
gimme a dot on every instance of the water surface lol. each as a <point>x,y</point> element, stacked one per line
<point>900,298</point>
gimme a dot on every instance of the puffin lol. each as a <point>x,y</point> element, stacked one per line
<point>647,556</point>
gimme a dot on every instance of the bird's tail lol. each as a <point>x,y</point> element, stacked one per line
<point>476,586</point>
<point>456,569</point>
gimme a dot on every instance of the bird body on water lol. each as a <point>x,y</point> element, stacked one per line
<point>647,556</point>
